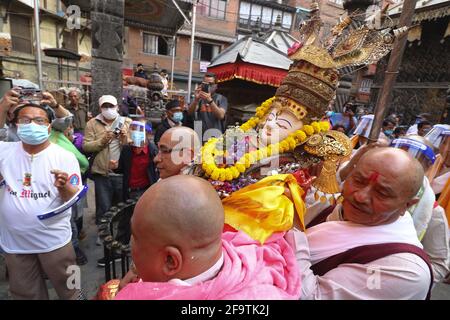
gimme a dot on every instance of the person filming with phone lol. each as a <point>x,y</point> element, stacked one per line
<point>105,135</point>
<point>18,96</point>
<point>208,106</point>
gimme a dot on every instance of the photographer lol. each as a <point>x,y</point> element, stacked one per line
<point>104,137</point>
<point>11,100</point>
<point>208,106</point>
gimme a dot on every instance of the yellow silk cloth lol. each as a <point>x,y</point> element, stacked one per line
<point>444,200</point>
<point>263,208</point>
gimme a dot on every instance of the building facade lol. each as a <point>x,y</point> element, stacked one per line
<point>56,32</point>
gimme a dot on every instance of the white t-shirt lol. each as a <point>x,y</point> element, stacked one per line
<point>27,190</point>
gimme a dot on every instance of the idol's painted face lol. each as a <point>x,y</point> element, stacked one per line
<point>279,124</point>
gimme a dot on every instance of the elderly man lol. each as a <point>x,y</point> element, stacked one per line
<point>174,118</point>
<point>79,110</point>
<point>177,257</point>
<point>36,177</point>
<point>368,247</point>
<point>177,150</point>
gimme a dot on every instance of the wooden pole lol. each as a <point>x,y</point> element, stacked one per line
<point>385,95</point>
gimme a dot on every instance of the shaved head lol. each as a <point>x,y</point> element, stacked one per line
<point>398,163</point>
<point>381,188</point>
<point>179,218</point>
<point>181,145</point>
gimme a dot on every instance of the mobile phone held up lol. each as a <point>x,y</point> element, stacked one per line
<point>205,87</point>
<point>34,95</point>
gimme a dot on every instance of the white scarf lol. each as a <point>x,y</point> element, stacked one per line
<point>423,210</point>
<point>332,237</point>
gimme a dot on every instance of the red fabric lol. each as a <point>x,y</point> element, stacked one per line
<point>249,72</point>
<point>138,172</point>
<point>435,205</point>
<point>369,253</point>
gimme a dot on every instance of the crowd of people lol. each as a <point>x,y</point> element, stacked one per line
<point>392,222</point>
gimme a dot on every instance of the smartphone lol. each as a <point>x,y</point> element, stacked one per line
<point>30,95</point>
<point>205,87</point>
<point>5,86</point>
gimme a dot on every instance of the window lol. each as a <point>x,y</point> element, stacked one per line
<point>249,13</point>
<point>70,40</point>
<point>205,51</point>
<point>212,8</point>
<point>21,33</point>
<point>154,44</point>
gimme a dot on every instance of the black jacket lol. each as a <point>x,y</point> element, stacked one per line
<point>125,167</point>
<point>164,126</point>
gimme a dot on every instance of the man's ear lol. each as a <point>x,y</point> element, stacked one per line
<point>412,202</point>
<point>173,261</point>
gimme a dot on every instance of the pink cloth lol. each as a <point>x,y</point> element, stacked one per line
<point>250,271</point>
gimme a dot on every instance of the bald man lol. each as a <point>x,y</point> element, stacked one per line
<point>179,250</point>
<point>178,147</point>
<point>368,246</point>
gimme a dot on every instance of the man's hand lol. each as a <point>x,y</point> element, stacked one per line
<point>197,92</point>
<point>89,116</point>
<point>130,277</point>
<point>62,183</point>
<point>61,178</point>
<point>113,164</point>
<point>205,96</point>
<point>109,135</point>
<point>48,99</point>
<point>9,101</point>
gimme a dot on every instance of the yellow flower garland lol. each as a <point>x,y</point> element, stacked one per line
<point>209,151</point>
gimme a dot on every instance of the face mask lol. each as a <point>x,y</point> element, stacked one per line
<point>32,133</point>
<point>138,138</point>
<point>330,113</point>
<point>178,116</point>
<point>388,132</point>
<point>110,113</point>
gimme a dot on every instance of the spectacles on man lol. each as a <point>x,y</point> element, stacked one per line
<point>38,120</point>
<point>164,150</point>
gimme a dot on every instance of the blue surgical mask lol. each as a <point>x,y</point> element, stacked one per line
<point>178,116</point>
<point>388,132</point>
<point>138,138</point>
<point>32,133</point>
<point>330,113</point>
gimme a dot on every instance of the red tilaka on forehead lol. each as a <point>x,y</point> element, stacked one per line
<point>374,177</point>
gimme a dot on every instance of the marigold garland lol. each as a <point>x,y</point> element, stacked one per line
<point>209,151</point>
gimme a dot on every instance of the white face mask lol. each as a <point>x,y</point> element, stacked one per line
<point>110,113</point>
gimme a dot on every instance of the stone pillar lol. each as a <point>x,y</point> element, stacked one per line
<point>107,18</point>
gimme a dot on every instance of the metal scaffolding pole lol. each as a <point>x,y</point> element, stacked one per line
<point>191,60</point>
<point>38,43</point>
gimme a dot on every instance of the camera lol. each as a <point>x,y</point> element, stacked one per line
<point>205,87</point>
<point>30,95</point>
<point>117,131</point>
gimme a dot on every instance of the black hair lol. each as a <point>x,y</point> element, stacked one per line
<point>400,129</point>
<point>173,104</point>
<point>140,65</point>
<point>423,123</point>
<point>164,71</point>
<point>387,121</point>
<point>337,126</point>
<point>211,75</point>
<point>48,110</point>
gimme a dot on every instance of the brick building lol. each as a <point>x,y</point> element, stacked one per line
<point>219,24</point>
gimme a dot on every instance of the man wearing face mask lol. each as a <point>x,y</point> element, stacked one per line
<point>36,177</point>
<point>174,118</point>
<point>105,135</point>
<point>138,169</point>
<point>387,130</point>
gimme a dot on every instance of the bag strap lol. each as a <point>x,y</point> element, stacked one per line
<point>368,253</point>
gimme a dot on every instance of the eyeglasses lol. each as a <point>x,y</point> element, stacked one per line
<point>168,151</point>
<point>39,120</point>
